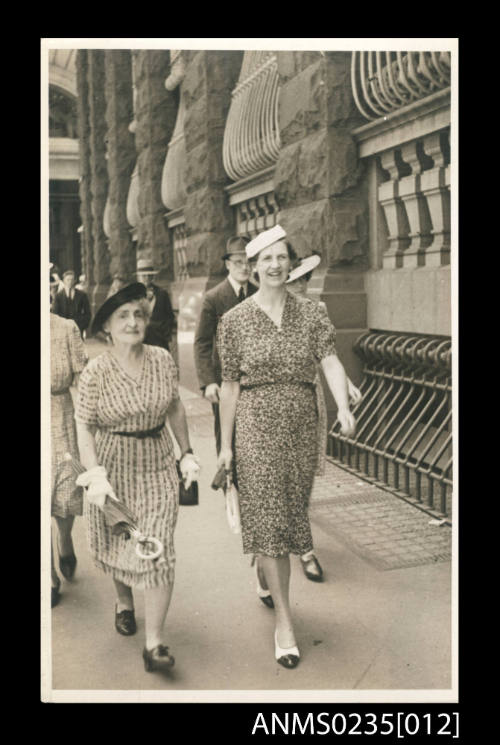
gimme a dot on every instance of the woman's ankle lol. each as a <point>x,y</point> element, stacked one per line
<point>125,605</point>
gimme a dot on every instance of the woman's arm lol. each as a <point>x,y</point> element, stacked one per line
<point>177,418</point>
<point>337,382</point>
<point>85,435</point>
<point>229,394</point>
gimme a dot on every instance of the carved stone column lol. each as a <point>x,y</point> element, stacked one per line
<point>417,211</point>
<point>82,102</point>
<point>155,115</point>
<point>99,173</point>
<point>395,214</point>
<point>209,80</point>
<point>436,188</point>
<point>121,157</point>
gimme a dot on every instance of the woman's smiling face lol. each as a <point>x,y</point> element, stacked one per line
<point>273,264</point>
<point>127,324</point>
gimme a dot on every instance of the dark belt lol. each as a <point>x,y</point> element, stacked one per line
<point>141,435</point>
<point>59,393</point>
<point>302,384</point>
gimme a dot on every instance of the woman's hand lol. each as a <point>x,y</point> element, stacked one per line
<point>212,393</point>
<point>355,394</point>
<point>189,466</point>
<point>225,459</point>
<point>97,485</point>
<point>347,422</point>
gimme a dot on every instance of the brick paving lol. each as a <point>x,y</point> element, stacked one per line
<point>379,527</point>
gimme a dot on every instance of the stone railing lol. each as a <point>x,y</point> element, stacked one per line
<point>386,81</point>
<point>254,203</point>
<point>407,153</point>
<point>251,137</point>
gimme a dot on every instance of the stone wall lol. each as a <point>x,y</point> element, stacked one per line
<point>121,157</point>
<point>155,115</point>
<point>321,187</point>
<point>415,300</point>
<point>87,244</point>
<point>99,173</point>
<point>209,80</point>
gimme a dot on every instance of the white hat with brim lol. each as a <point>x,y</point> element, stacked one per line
<point>144,266</point>
<point>263,240</point>
<point>306,265</point>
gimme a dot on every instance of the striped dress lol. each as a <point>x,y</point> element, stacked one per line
<point>141,471</point>
<point>67,358</point>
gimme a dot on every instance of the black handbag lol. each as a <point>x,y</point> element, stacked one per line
<point>186,496</point>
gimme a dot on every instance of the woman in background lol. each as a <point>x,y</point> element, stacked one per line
<point>67,360</point>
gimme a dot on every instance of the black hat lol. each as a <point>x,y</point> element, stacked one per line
<point>236,245</point>
<point>134,291</point>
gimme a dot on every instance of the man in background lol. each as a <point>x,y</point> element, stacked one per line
<point>216,302</point>
<point>161,330</point>
<point>72,303</point>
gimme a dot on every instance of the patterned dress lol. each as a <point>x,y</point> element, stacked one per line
<point>141,471</point>
<point>276,446</point>
<point>67,358</point>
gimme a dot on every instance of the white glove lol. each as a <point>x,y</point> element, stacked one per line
<point>98,486</point>
<point>190,469</point>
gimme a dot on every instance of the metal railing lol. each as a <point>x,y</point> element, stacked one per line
<point>251,138</point>
<point>403,439</point>
<point>383,82</point>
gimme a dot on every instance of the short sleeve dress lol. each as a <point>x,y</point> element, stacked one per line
<point>67,358</point>
<point>276,441</point>
<point>142,471</point>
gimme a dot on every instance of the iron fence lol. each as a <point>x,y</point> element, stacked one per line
<point>403,439</point>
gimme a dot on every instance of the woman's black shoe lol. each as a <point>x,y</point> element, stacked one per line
<point>157,658</point>
<point>67,565</point>
<point>125,622</point>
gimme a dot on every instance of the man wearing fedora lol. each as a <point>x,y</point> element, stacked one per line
<point>162,327</point>
<point>72,303</point>
<point>216,302</point>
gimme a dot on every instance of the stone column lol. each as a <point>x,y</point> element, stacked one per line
<point>87,243</point>
<point>155,115</point>
<point>121,157</point>
<point>99,173</point>
<point>210,78</point>
<point>321,187</point>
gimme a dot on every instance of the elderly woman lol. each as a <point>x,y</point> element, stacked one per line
<point>124,398</point>
<point>67,359</point>
<point>269,347</point>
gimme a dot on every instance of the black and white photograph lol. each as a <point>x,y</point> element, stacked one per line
<point>249,387</point>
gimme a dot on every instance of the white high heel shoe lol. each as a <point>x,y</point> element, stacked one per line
<point>287,657</point>
<point>264,595</point>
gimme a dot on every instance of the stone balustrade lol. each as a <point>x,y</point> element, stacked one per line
<point>415,199</point>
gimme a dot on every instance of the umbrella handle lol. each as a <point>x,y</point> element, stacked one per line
<point>155,554</point>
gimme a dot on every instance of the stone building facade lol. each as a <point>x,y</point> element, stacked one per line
<point>348,151</point>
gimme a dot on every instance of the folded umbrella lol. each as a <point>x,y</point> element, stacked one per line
<point>123,522</point>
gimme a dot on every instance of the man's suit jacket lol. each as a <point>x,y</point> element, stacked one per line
<point>216,302</point>
<point>162,323</point>
<point>78,308</point>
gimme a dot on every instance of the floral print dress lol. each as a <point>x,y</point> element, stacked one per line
<point>276,441</point>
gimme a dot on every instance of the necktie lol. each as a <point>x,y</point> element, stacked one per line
<point>241,295</point>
